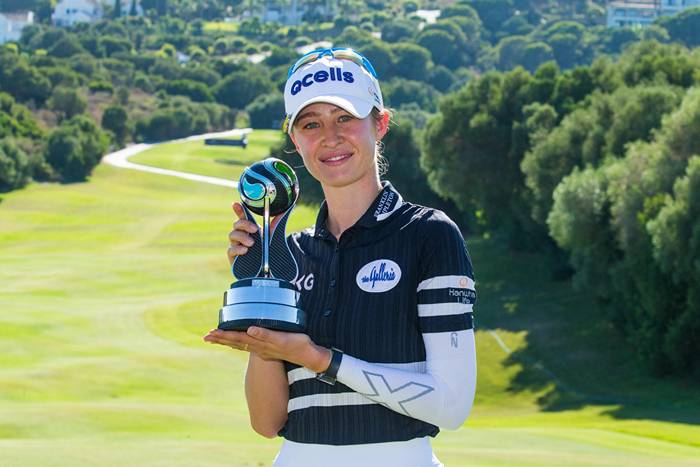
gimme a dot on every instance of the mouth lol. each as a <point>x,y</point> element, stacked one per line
<point>336,159</point>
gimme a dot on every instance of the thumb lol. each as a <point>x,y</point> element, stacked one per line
<point>238,210</point>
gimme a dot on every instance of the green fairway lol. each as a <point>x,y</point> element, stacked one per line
<point>214,161</point>
<point>106,288</point>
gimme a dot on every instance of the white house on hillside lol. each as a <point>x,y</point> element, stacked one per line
<point>71,12</point>
<point>292,12</point>
<point>11,25</point>
<point>644,12</point>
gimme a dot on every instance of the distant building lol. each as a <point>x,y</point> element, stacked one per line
<point>71,12</point>
<point>644,12</point>
<point>11,25</point>
<point>291,13</point>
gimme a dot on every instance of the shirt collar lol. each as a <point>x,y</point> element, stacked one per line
<point>387,202</point>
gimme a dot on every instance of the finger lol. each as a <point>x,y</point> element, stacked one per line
<point>265,335</point>
<point>238,210</point>
<point>234,251</point>
<point>236,339</point>
<point>237,236</point>
<point>245,225</point>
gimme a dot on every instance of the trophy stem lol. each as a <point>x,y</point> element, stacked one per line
<point>266,238</point>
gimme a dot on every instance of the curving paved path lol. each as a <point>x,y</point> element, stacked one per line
<point>121,158</point>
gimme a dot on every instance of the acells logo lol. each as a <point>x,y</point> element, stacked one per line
<point>334,74</point>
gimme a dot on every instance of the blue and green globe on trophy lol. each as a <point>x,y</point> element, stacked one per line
<point>263,294</point>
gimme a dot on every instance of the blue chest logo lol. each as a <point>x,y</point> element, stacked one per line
<point>378,276</point>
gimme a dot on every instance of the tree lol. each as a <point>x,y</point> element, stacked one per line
<point>117,11</point>
<point>240,88</point>
<point>66,47</point>
<point>75,148</point>
<point>67,101</point>
<point>266,111</point>
<point>14,166</point>
<point>196,91</point>
<point>683,26</point>
<point>115,119</point>
<point>25,83</point>
<point>442,46</point>
<point>411,61</point>
<point>396,31</point>
<point>675,236</point>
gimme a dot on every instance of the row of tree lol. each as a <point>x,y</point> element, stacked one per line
<point>599,165</point>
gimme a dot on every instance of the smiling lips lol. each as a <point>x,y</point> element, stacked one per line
<point>336,159</point>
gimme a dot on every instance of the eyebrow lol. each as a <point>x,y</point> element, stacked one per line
<point>311,113</point>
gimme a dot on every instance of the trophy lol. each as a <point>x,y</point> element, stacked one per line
<point>263,294</point>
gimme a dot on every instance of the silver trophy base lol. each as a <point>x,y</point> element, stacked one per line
<point>266,302</point>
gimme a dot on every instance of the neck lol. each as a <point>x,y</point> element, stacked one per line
<point>347,204</point>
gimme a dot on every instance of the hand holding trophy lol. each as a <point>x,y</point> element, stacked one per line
<point>263,294</point>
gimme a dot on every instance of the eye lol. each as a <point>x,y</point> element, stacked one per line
<point>346,118</point>
<point>310,125</point>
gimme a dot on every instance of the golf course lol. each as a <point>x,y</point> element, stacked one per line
<point>107,287</point>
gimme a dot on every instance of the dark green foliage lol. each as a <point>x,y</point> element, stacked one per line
<point>493,13</point>
<point>441,78</point>
<point>115,119</point>
<point>14,166</point>
<point>588,135</point>
<point>266,111</point>
<point>402,154</point>
<point>240,88</point>
<point>397,31</point>
<point>443,47</point>
<point>66,47</point>
<point>197,92</point>
<point>179,117</point>
<point>67,101</point>
<point>473,149</point>
<point>16,120</point>
<point>633,244</point>
<point>398,92</point>
<point>24,82</point>
<point>411,61</point>
<point>683,27</point>
<point>75,148</point>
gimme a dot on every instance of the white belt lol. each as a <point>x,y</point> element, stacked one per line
<point>414,453</point>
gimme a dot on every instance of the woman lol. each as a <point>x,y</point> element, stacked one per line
<point>387,286</point>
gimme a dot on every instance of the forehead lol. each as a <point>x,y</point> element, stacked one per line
<point>319,108</point>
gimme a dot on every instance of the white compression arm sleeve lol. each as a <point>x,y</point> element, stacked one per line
<point>442,396</point>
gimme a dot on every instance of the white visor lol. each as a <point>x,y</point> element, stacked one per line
<point>334,81</point>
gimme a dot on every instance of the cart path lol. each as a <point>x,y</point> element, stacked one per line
<point>121,158</point>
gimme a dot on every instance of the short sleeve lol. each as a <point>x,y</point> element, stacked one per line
<point>446,289</point>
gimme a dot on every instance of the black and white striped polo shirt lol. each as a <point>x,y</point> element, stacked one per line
<point>373,294</point>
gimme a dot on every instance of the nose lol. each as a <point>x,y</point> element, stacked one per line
<point>331,135</point>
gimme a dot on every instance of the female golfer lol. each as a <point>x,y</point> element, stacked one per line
<point>387,285</point>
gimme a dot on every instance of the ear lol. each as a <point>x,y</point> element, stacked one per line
<point>382,124</point>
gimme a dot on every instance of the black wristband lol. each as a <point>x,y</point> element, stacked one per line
<point>331,372</point>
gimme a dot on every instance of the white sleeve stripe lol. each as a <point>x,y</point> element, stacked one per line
<point>443,282</point>
<point>328,400</point>
<point>299,374</point>
<point>443,309</point>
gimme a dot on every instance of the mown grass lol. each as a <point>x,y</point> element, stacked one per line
<point>106,288</point>
<point>215,161</point>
